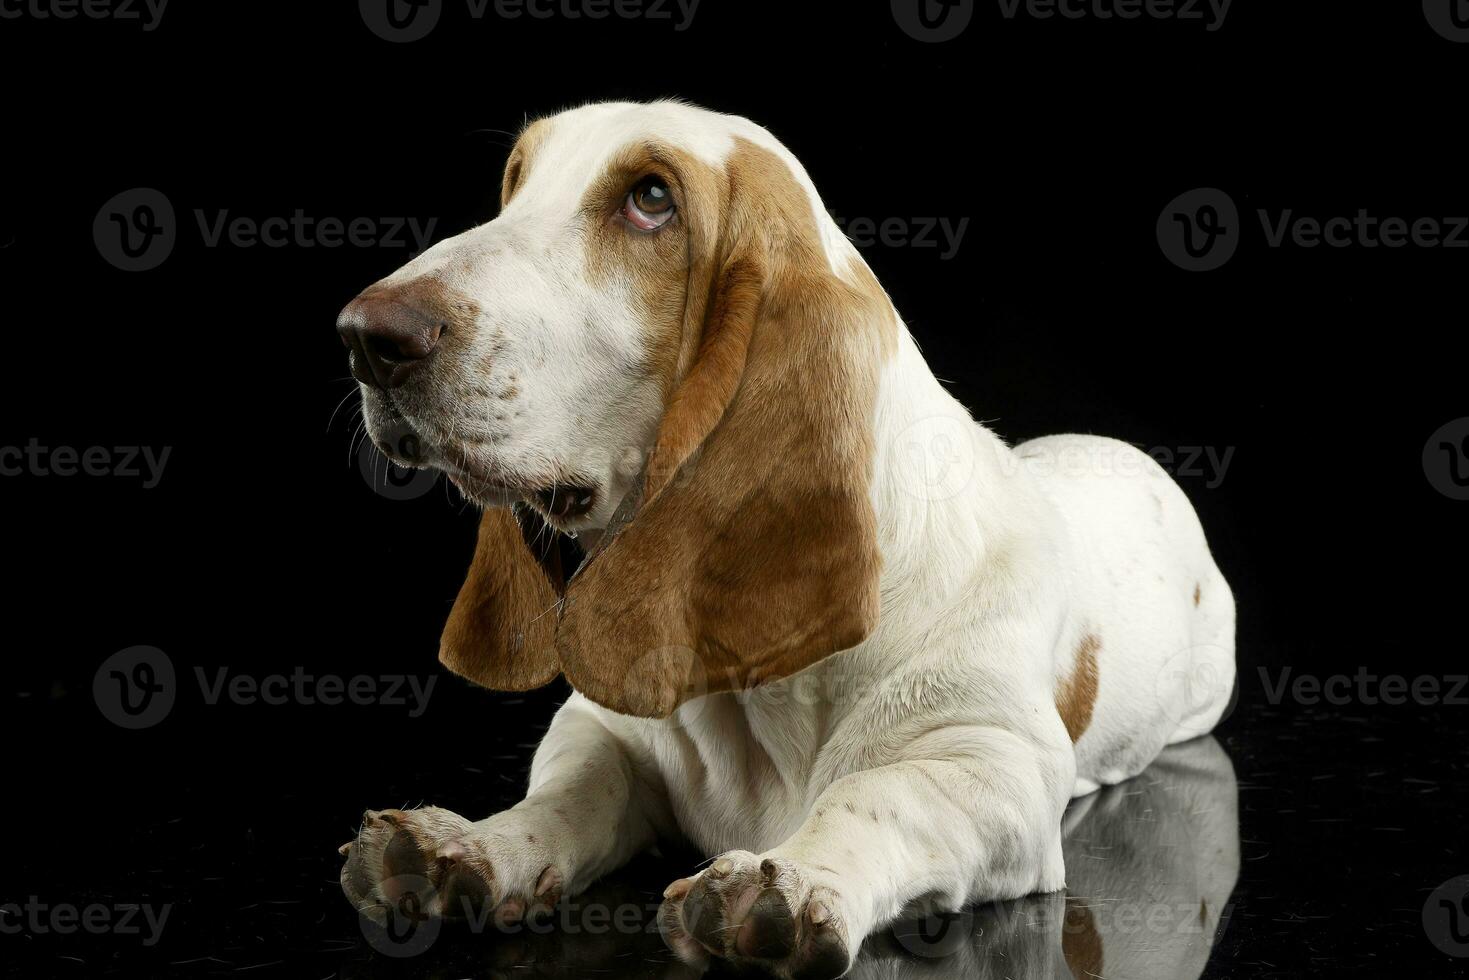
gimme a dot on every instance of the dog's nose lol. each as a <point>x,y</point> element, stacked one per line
<point>388,338</point>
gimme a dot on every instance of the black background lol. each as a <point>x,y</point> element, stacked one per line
<point>264,549</point>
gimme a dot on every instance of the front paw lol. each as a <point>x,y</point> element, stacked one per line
<point>437,864</point>
<point>769,913</point>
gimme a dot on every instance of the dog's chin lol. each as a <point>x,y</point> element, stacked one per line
<point>566,507</point>
<point>565,504</point>
<point>484,494</point>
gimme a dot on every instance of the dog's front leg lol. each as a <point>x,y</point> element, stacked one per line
<point>971,814</point>
<point>587,812</point>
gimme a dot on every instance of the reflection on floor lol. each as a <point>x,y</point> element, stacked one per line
<point>1150,865</point>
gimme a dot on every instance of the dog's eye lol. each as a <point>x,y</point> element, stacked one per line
<point>650,204</point>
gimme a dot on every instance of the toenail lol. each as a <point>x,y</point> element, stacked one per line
<point>678,889</point>
<point>549,879</point>
<point>818,913</point>
<point>768,870</point>
<point>721,868</point>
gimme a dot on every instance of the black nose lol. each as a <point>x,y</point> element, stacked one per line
<point>388,338</point>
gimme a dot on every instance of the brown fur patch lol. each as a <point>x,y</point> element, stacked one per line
<point>1198,593</point>
<point>1081,943</point>
<point>760,557</point>
<point>502,628</point>
<point>521,157</point>
<point>1077,696</point>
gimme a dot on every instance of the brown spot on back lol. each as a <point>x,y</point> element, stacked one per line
<point>1081,944</point>
<point>1198,593</point>
<point>1077,695</point>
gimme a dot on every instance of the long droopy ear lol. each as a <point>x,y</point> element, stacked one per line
<point>501,632</point>
<point>754,553</point>
<point>752,550</point>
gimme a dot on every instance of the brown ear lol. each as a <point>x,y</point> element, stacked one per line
<point>754,553</point>
<point>501,632</point>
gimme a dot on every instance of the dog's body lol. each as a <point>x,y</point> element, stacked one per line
<point>1048,619</point>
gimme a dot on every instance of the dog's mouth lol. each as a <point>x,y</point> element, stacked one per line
<point>559,500</point>
<point>567,501</point>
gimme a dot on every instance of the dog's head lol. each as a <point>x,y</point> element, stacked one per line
<point>662,343</point>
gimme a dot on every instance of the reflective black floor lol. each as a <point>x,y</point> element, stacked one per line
<point>1298,843</point>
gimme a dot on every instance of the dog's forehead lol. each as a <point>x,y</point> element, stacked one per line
<point>592,134</point>
<point>566,153</point>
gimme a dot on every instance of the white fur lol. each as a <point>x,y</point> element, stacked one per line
<point>929,765</point>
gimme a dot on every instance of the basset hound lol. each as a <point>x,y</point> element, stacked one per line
<point>827,628</point>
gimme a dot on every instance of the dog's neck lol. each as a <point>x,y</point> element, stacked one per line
<point>943,485</point>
